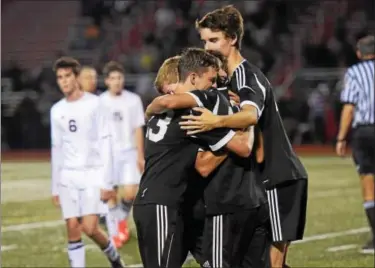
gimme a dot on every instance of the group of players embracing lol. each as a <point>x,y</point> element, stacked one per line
<point>221,179</point>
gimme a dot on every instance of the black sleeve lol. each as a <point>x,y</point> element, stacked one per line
<point>215,139</point>
<point>204,98</point>
<point>253,92</point>
<point>236,109</point>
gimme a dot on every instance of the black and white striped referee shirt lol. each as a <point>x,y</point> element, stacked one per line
<point>359,90</point>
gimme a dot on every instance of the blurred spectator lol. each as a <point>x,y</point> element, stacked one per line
<point>280,38</point>
<point>317,105</point>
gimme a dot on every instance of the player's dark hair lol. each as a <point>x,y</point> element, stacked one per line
<point>227,20</point>
<point>113,66</point>
<point>195,60</point>
<point>366,45</point>
<point>223,60</point>
<point>67,62</point>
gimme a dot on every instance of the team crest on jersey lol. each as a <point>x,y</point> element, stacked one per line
<point>117,116</point>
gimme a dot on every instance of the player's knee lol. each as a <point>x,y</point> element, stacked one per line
<point>89,229</point>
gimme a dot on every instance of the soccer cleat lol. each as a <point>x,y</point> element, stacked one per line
<point>117,241</point>
<point>117,263</point>
<point>124,233</point>
<point>368,248</point>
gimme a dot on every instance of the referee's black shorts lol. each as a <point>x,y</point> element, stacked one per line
<point>363,147</point>
<point>287,203</point>
<point>160,231</point>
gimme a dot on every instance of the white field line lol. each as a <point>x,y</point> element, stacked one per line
<point>46,224</point>
<point>31,226</point>
<point>332,235</point>
<point>8,196</point>
<point>342,248</point>
<point>8,247</point>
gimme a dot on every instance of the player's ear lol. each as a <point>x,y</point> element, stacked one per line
<point>233,40</point>
<point>193,78</point>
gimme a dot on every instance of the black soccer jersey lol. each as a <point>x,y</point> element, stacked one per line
<point>233,186</point>
<point>170,154</point>
<point>281,162</point>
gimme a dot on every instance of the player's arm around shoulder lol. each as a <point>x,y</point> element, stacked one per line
<point>164,103</point>
<point>252,96</point>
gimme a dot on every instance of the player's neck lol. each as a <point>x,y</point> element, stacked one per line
<point>182,88</point>
<point>115,94</point>
<point>234,60</point>
<point>75,95</point>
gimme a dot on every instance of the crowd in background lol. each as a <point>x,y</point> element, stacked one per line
<point>281,37</point>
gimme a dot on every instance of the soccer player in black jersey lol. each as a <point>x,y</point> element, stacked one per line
<point>236,209</point>
<point>170,161</point>
<point>222,30</point>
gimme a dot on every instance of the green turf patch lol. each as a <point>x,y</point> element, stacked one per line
<point>335,205</point>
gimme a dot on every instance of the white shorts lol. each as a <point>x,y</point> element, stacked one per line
<point>76,202</point>
<point>126,173</point>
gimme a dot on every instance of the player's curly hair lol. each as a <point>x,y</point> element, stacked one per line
<point>167,74</point>
<point>195,60</point>
<point>67,62</point>
<point>113,66</point>
<point>227,20</point>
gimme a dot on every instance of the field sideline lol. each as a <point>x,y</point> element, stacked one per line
<point>34,236</point>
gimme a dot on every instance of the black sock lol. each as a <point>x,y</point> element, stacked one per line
<point>370,212</point>
<point>126,205</point>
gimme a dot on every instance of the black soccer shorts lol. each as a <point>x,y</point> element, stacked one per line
<point>363,147</point>
<point>287,209</point>
<point>194,221</point>
<point>160,232</point>
<point>238,239</point>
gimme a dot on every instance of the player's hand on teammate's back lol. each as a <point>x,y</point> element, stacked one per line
<point>341,148</point>
<point>194,124</point>
<point>56,200</point>
<point>105,194</point>
<point>234,98</point>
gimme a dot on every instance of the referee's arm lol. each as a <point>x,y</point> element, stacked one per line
<point>349,97</point>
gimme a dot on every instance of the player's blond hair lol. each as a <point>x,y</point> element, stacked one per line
<point>87,68</point>
<point>167,74</point>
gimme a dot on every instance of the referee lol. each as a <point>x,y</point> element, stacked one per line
<point>358,98</point>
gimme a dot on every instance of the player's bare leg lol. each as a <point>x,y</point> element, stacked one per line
<point>90,226</point>
<point>113,219</point>
<point>128,196</point>
<point>76,248</point>
<point>278,254</point>
<point>368,193</point>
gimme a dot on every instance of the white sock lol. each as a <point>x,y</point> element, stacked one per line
<point>76,252</point>
<point>111,252</point>
<point>112,222</point>
<point>121,214</point>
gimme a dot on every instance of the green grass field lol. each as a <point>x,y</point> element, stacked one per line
<point>34,236</point>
